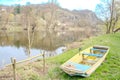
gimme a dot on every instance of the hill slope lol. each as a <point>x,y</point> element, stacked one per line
<point>47,15</point>
<point>109,70</point>
<point>69,19</point>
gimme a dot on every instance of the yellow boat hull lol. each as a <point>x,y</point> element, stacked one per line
<point>85,62</point>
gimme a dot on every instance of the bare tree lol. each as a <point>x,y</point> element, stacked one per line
<point>108,11</point>
<point>29,25</point>
<point>4,20</point>
<point>51,20</point>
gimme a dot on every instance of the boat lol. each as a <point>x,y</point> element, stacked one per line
<point>85,62</point>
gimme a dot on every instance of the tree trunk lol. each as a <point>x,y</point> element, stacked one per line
<point>111,17</point>
<point>116,30</point>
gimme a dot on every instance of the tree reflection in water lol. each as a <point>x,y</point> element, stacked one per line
<point>50,42</point>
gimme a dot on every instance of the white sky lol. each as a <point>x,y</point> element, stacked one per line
<point>79,4</point>
<point>69,4</point>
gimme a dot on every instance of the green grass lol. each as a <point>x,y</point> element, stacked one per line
<point>109,70</point>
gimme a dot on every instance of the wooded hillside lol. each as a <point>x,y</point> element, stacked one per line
<point>47,16</point>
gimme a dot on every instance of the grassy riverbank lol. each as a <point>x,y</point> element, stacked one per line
<point>109,70</point>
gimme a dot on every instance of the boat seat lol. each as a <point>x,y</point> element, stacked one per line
<point>89,62</point>
<point>92,54</point>
<point>102,51</point>
<point>80,67</point>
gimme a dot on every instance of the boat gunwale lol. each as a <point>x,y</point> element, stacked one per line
<point>92,67</point>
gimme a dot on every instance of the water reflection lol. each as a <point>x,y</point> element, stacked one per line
<point>15,44</point>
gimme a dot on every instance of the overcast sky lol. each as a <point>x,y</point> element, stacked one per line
<point>69,4</point>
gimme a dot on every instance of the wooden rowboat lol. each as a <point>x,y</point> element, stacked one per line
<point>85,62</point>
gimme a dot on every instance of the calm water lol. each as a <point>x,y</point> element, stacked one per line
<point>16,44</point>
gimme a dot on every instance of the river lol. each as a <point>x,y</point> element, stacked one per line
<point>16,44</point>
